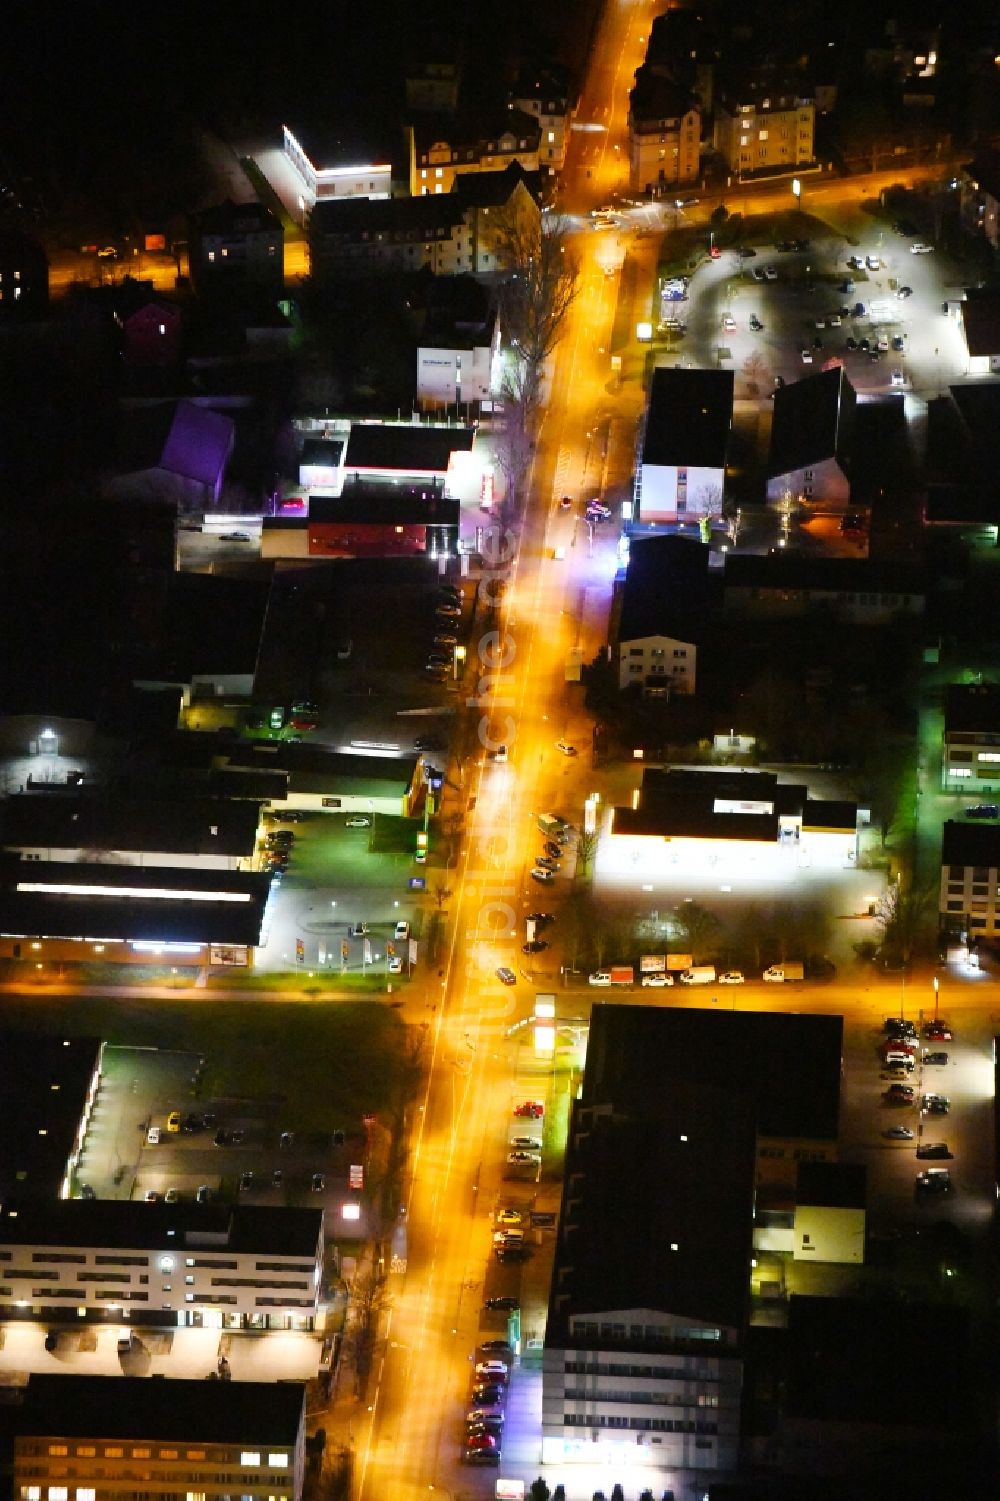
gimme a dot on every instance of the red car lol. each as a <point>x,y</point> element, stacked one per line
<point>937,1032</point>
<point>533,1109</point>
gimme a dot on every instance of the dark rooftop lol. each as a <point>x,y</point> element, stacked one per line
<point>322,451</point>
<point>43,1092</point>
<point>813,421</point>
<point>788,1066</point>
<point>427,217</point>
<point>199,623</point>
<point>867,1361</point>
<point>107,821</point>
<point>972,708</point>
<point>823,813</point>
<point>135,1408</point>
<point>665,590</point>
<point>405,448</point>
<point>984,170</point>
<point>833,1185</point>
<point>107,902</point>
<point>655,97</point>
<point>385,505</point>
<point>381,773</point>
<point>658,1209</point>
<point>493,189</point>
<point>475,128</point>
<point>689,418</point>
<point>981,321</point>
<point>236,218</point>
<point>274,1230</point>
<point>970,844</point>
<point>801,571</point>
<point>679,818</point>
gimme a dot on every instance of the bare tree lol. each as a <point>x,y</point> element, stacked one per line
<point>755,370</point>
<point>586,849</point>
<point>698,925</point>
<point>539,286</point>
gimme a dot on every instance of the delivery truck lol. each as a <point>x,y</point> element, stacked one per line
<point>788,969</point>
<point>700,974</point>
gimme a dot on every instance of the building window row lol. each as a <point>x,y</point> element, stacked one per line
<point>641,1425</point>
<point>654,1372</point>
<point>642,1398</point>
<point>652,1333</point>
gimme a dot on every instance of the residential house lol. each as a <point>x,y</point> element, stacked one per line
<point>357,236</point>
<point>496,203</point>
<point>198,448</point>
<point>790,585</point>
<point>326,167</point>
<point>907,58</point>
<point>812,442</point>
<point>197,1438</point>
<point>544,94</point>
<point>980,324</point>
<point>681,472</point>
<point>184,1265</point>
<point>969,899</point>
<point>660,614</point>
<point>151,330</point>
<point>432,85</point>
<point>237,247</point>
<point>664,127</point>
<point>971,750</point>
<point>444,147</point>
<point>683,47</point>
<point>372,519</point>
<point>459,344</point>
<point>979,200</point>
<point>765,117</point>
<point>24,274</point>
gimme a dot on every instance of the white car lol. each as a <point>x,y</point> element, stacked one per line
<point>807,356</point>
<point>153,1136</point>
<point>566,748</point>
<point>600,977</point>
<point>873,263</point>
<point>545,876</point>
<point>729,323</point>
<point>402,929</point>
<point>898,378</point>
<point>732,977</point>
<point>770,273</point>
<point>920,248</point>
<point>360,822</point>
<point>652,980</point>
<point>395,965</point>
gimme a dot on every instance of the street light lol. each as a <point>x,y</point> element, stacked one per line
<point>797,192</point>
<point>459,658</point>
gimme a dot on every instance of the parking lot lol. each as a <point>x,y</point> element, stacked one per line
<point>152,1133</point>
<point>790,292</point>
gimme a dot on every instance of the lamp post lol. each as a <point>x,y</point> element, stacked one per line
<point>797,191</point>
<point>935,997</point>
<point>459,658</point>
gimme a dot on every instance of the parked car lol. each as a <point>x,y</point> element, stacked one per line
<point>506,976</point>
<point>656,981</point>
<point>534,946</point>
<point>533,1109</point>
<point>501,1305</point>
<point>526,1143</point>
<point>521,1158</point>
<point>935,1104</point>
<point>540,919</point>
<point>318,1183</point>
<point>903,292</point>
<point>920,247</point>
<point>770,273</point>
<point>203,1194</point>
<point>492,1370</point>
<point>934,1180</point>
<point>935,1058</point>
<point>358,821</point>
<point>246,1181</point>
<point>544,877</point>
<point>732,977</point>
<point>938,1032</point>
<point>566,748</point>
<point>508,1217</point>
<point>934,1149</point>
<point>899,1133</point>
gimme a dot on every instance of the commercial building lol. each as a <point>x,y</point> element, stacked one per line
<point>688,1121</point>
<point>660,614</point>
<point>681,473</point>
<point>331,168</point>
<point>962,467</point>
<point>99,1438</point>
<point>373,520</point>
<point>322,781</point>
<point>459,345</point>
<point>969,899</point>
<point>980,325</point>
<point>443,148</point>
<point>109,826</point>
<point>48,1086</point>
<point>812,441</point>
<point>970,761</point>
<point>184,1265</point>
<point>54,912</point>
<point>433,452</point>
<point>765,118</point>
<point>745,823</point>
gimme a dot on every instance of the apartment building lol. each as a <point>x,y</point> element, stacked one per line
<point>664,127</point>
<point>237,245</point>
<point>445,147</point>
<point>660,616</point>
<point>969,899</point>
<point>684,449</point>
<point>543,94</point>
<point>765,120</point>
<point>182,1265</point>
<point>113,1438</point>
<point>812,441</point>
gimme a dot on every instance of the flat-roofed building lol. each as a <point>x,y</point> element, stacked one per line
<point>345,781</point>
<point>380,519</point>
<point>681,474</point>
<point>642,1362</point>
<point>971,759</point>
<point>812,441</point>
<point>659,617</point>
<point>787,584</point>
<point>969,899</point>
<point>183,1265</point>
<point>407,452</point>
<point>48,1086</point>
<point>106,1434</point>
<point>65,912</point>
<point>333,168</point>
<point>106,826</point>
